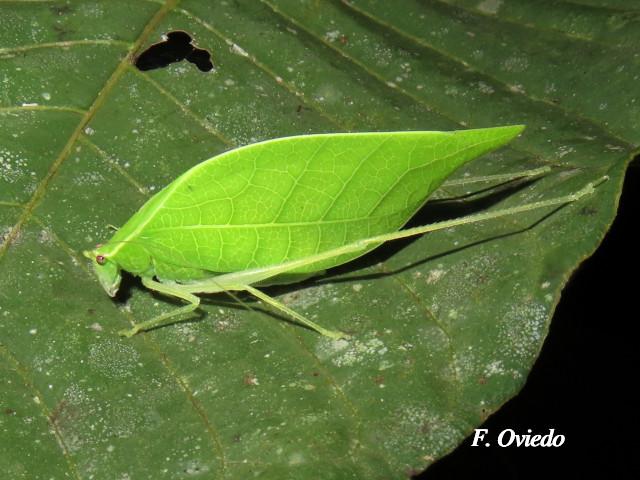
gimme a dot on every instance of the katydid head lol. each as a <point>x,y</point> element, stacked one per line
<point>107,271</point>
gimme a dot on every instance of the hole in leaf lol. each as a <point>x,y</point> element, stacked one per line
<point>175,47</point>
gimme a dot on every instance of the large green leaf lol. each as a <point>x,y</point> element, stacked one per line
<point>445,328</point>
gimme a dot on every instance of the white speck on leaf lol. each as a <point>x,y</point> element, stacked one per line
<point>490,7</point>
<point>522,329</point>
<point>235,48</point>
<point>113,359</point>
<point>346,353</point>
<point>332,35</point>
<point>434,275</point>
<point>12,166</point>
<point>516,64</point>
<point>494,368</point>
<point>485,88</point>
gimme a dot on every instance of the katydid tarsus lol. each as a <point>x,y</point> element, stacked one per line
<point>287,209</point>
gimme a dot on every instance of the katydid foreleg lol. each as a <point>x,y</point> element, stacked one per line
<point>172,290</point>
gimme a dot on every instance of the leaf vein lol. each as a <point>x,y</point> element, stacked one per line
<point>461,64</point>
<point>278,79</point>
<point>23,372</point>
<point>63,45</point>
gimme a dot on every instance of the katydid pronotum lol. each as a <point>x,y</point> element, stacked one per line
<point>287,209</point>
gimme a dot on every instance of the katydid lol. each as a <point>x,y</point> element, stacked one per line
<point>283,210</point>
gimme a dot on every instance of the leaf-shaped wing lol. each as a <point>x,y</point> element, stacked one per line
<point>288,198</point>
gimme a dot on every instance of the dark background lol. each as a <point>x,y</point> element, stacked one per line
<point>584,382</point>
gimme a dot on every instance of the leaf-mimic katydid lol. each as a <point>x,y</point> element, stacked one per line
<point>286,209</point>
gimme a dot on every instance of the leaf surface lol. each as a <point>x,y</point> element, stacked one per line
<point>446,327</point>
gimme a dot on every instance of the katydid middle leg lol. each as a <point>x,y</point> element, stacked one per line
<point>334,334</point>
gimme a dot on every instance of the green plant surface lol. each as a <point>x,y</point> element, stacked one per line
<point>445,328</point>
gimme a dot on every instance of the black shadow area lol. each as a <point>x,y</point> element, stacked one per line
<point>583,384</point>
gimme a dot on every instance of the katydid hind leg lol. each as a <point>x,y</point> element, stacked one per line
<point>501,177</point>
<point>361,244</point>
<point>177,291</point>
<point>236,280</point>
<point>587,190</point>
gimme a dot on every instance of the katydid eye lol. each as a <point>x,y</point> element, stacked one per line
<point>101,260</point>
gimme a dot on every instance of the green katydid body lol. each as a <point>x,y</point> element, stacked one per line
<point>284,200</point>
<point>285,209</point>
